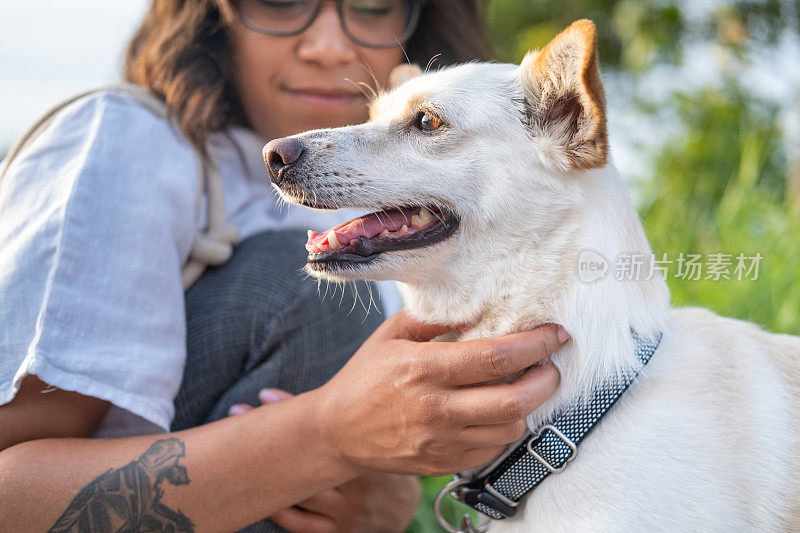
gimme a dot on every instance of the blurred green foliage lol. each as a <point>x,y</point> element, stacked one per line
<point>724,186</point>
<point>722,182</point>
<point>635,34</point>
<point>626,28</point>
<point>424,521</point>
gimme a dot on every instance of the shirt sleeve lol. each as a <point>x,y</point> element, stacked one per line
<point>96,219</point>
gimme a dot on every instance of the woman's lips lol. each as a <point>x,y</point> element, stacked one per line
<point>324,99</point>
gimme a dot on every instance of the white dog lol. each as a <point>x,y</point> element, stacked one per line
<point>488,181</point>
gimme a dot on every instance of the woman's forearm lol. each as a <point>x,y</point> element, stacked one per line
<point>222,476</point>
<point>400,404</point>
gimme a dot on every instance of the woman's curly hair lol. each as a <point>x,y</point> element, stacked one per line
<point>181,52</point>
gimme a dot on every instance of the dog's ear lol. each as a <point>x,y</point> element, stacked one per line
<point>564,96</point>
<point>402,73</point>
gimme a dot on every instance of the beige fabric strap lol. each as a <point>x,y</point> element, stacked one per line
<point>213,244</point>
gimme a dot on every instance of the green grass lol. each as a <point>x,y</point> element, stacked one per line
<point>724,187</point>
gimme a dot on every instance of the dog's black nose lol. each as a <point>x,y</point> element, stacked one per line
<point>279,154</point>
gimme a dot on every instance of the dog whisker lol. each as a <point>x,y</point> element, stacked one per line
<point>431,61</point>
<point>372,75</point>
<point>434,213</point>
<point>361,85</point>
<point>355,296</point>
<point>372,91</point>
<point>404,215</point>
<point>382,210</point>
<point>408,60</point>
<point>341,299</point>
<point>371,302</point>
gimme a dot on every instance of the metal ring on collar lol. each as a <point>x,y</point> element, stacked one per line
<point>467,525</point>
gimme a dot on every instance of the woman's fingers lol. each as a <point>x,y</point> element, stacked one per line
<point>267,396</point>
<point>299,521</point>
<point>239,409</point>
<point>482,360</point>
<point>477,457</point>
<point>494,434</point>
<point>505,402</point>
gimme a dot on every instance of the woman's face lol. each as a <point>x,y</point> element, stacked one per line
<point>292,84</point>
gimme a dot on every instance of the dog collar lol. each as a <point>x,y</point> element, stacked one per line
<point>496,490</point>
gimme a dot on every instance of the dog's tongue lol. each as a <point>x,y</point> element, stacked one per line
<point>386,223</point>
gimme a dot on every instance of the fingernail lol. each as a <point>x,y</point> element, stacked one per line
<point>268,396</point>
<point>237,410</point>
<point>563,336</point>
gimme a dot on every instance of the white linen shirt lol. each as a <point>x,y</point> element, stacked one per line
<point>97,216</point>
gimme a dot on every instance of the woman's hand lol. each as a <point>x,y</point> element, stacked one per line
<point>409,406</point>
<point>375,501</point>
<point>406,405</point>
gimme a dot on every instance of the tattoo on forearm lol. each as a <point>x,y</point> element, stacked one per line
<point>128,499</point>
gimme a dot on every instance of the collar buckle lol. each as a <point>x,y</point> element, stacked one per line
<point>536,438</point>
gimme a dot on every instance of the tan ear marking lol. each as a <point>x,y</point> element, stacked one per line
<point>398,76</point>
<point>564,95</point>
<point>402,73</point>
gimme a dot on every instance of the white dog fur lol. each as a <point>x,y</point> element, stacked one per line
<point>708,437</point>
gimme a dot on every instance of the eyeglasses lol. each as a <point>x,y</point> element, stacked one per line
<point>371,23</point>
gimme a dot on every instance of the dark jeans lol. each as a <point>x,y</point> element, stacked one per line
<point>258,321</point>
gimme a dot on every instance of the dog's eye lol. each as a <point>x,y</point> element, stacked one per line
<point>428,122</point>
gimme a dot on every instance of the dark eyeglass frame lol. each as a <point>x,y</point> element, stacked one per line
<point>411,24</point>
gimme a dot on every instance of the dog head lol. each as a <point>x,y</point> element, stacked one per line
<point>449,161</point>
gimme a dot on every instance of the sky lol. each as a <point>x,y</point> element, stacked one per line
<point>51,49</point>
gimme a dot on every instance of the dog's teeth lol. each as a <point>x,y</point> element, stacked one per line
<point>323,248</point>
<point>416,220</point>
<point>332,240</point>
<point>384,233</point>
<point>404,228</point>
<point>425,216</point>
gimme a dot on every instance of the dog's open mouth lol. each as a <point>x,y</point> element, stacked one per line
<point>361,239</point>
